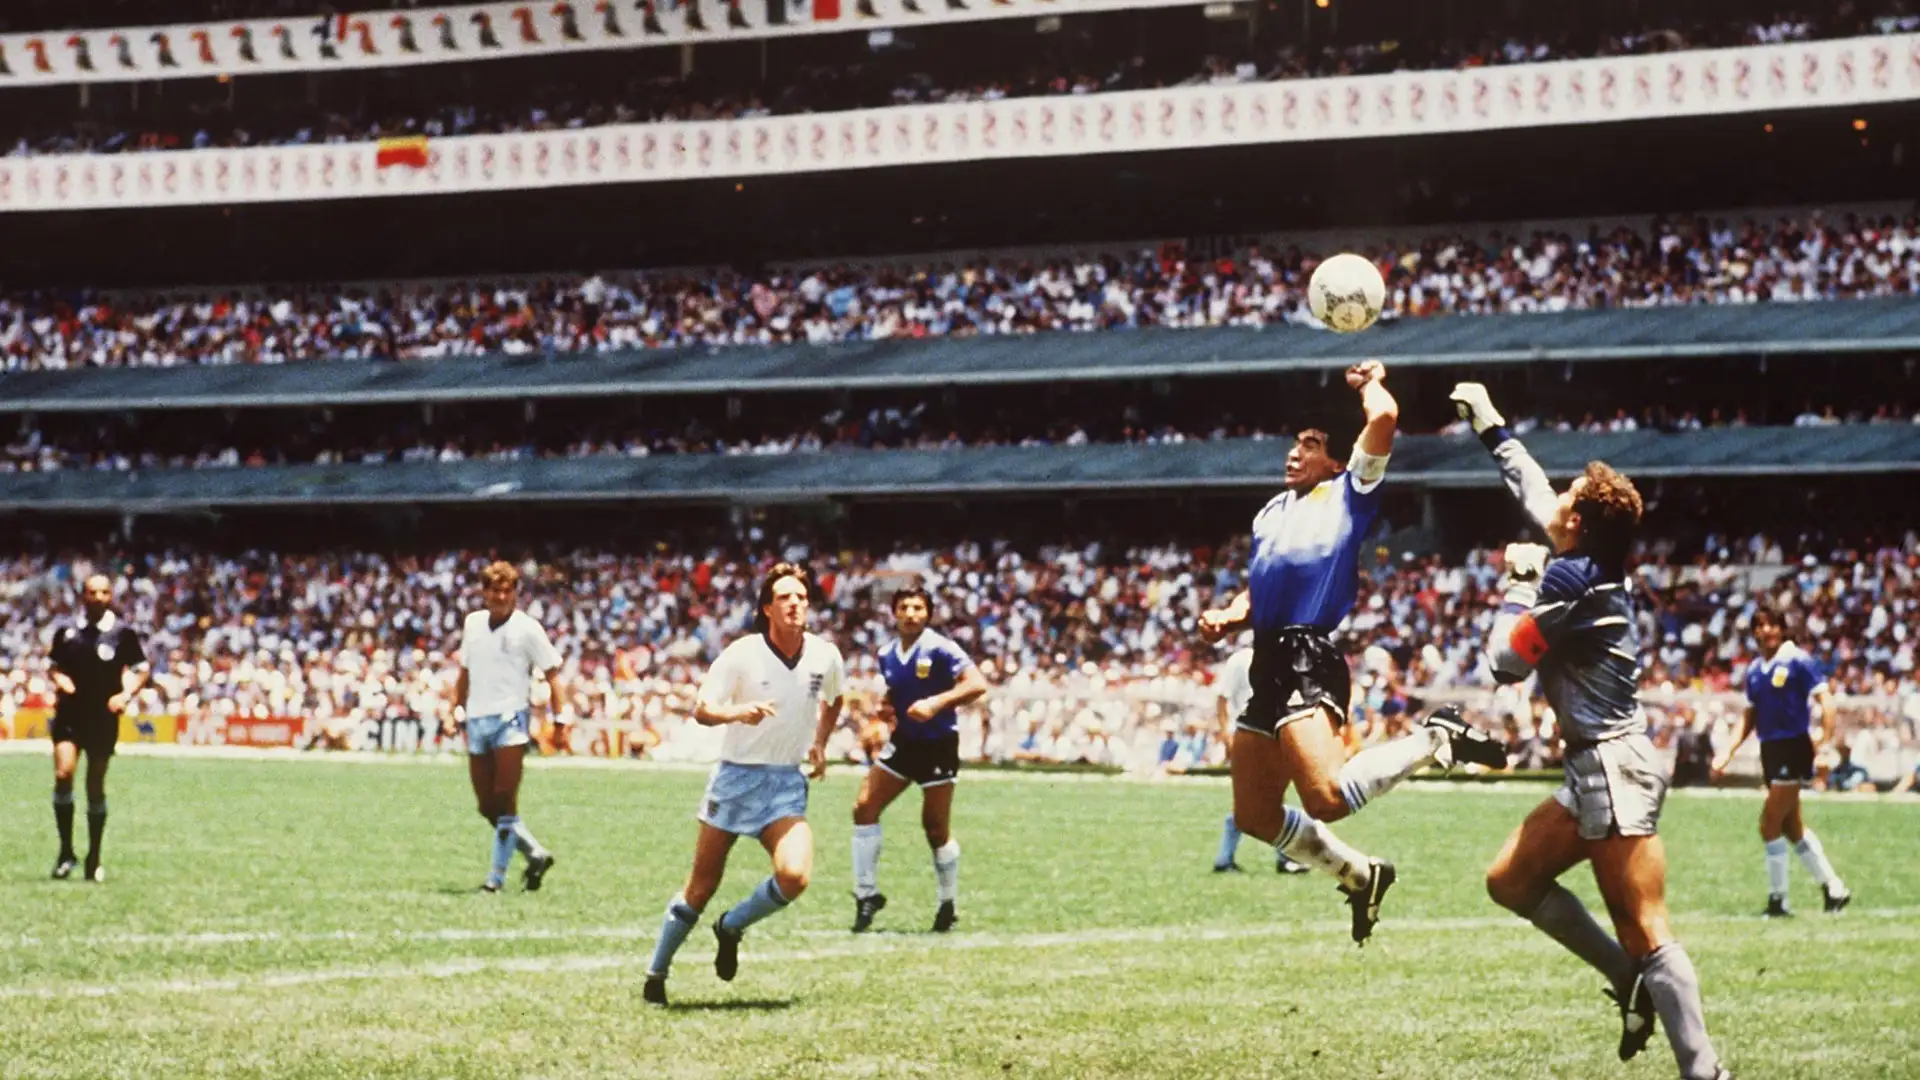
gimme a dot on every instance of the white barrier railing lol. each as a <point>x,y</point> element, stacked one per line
<point>1852,71</point>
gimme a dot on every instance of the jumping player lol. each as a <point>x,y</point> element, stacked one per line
<point>1783,688</point>
<point>1574,625</point>
<point>928,677</point>
<point>779,694</point>
<point>98,667</point>
<point>502,650</point>
<point>1302,583</point>
<point>1232,690</point>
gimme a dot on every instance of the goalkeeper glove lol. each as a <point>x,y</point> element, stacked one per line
<point>1471,402</point>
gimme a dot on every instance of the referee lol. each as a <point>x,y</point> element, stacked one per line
<point>98,666</point>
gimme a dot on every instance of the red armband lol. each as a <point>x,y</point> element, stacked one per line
<point>1527,641</point>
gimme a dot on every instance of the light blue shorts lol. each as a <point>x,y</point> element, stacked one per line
<point>485,734</point>
<point>745,799</point>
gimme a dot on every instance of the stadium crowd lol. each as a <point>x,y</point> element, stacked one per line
<point>1674,261</point>
<point>1089,60</point>
<point>1092,651</point>
<point>328,437</point>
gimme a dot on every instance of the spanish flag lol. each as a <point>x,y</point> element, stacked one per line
<point>409,152</point>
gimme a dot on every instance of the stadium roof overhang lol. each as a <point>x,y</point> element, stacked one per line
<point>1420,462</point>
<point>1878,325</point>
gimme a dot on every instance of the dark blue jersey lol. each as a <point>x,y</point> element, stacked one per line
<point>1306,553</point>
<point>933,666</point>
<point>1781,691</point>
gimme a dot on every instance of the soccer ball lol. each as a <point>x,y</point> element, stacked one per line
<point>1346,293</point>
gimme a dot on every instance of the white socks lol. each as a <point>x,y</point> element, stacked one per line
<point>1814,857</point>
<point>946,870</point>
<point>866,860</point>
<point>1777,867</point>
<point>1375,771</point>
<point>1310,843</point>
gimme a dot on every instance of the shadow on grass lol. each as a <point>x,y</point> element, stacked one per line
<point>733,1005</point>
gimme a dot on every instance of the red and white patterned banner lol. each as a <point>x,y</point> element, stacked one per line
<point>378,39</point>
<point>1852,71</point>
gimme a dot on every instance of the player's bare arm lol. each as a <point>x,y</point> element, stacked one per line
<point>1725,757</point>
<point>459,705</point>
<point>708,714</point>
<point>1377,404</point>
<point>971,687</point>
<point>1235,617</point>
<point>817,753</point>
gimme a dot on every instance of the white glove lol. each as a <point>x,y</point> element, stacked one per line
<point>1525,562</point>
<point>1470,400</point>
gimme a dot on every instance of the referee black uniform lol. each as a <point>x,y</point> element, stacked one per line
<point>95,655</point>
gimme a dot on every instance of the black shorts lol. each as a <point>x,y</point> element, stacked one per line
<point>1787,762</point>
<point>1295,670</point>
<point>927,762</point>
<point>95,736</point>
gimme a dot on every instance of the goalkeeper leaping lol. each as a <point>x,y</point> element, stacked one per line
<point>1573,623</point>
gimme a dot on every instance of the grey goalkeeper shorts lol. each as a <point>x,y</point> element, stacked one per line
<point>1615,788</point>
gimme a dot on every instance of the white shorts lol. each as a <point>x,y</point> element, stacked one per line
<point>1615,788</point>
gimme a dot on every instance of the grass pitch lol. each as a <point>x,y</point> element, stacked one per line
<point>318,919</point>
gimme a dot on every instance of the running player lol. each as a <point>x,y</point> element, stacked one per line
<point>928,677</point>
<point>1302,583</point>
<point>1783,687</point>
<point>502,650</point>
<point>779,693</point>
<point>1574,625</point>
<point>98,667</point>
<point>1232,690</point>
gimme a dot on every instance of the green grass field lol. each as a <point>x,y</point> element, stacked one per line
<point>318,919</point>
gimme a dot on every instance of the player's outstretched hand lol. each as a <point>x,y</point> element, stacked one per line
<point>1214,624</point>
<point>117,704</point>
<point>1471,403</point>
<point>754,713</point>
<point>921,711</point>
<point>817,761</point>
<point>63,683</point>
<point>1525,562</point>
<point>1369,371</point>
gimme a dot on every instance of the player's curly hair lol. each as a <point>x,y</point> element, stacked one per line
<point>774,576</point>
<point>1609,507</point>
<point>499,573</point>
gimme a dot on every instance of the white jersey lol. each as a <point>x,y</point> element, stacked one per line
<point>502,663</point>
<point>749,670</point>
<point>1236,682</point>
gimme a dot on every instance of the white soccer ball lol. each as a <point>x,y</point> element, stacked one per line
<point>1346,293</point>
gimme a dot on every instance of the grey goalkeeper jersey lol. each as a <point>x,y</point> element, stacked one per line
<point>1578,632</point>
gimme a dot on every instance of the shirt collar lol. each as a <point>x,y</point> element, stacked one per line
<point>1785,652</point>
<point>106,624</point>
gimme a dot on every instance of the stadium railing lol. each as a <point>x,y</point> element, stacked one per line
<point>1429,461</point>
<point>1850,326</point>
<point>1614,89</point>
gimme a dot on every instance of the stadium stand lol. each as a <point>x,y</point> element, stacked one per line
<point>1673,262</point>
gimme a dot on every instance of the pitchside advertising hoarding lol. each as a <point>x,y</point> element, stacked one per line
<point>393,733</point>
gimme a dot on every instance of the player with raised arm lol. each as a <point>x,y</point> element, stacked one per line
<point>778,692</point>
<point>98,667</point>
<point>502,651</point>
<point>1302,583</point>
<point>1573,624</point>
<point>1783,687</point>
<point>1233,688</point>
<point>927,677</point>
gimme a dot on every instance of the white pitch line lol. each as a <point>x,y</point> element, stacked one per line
<point>868,946</point>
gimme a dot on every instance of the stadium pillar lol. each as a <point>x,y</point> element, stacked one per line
<point>1429,514</point>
